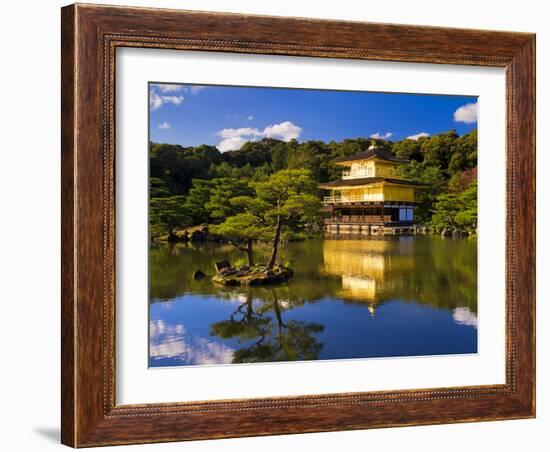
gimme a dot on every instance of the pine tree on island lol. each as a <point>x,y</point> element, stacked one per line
<point>282,207</point>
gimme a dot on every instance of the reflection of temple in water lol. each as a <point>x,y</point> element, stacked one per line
<point>370,270</point>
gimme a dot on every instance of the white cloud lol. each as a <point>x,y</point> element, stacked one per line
<point>231,144</point>
<point>233,139</point>
<point>243,131</point>
<point>175,88</point>
<point>463,316</point>
<point>416,136</point>
<point>176,343</point>
<point>285,130</point>
<point>168,88</point>
<point>196,89</point>
<point>381,136</point>
<point>156,101</point>
<point>467,113</point>
<point>165,125</point>
<point>243,117</point>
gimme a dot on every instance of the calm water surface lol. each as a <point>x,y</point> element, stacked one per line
<point>350,298</point>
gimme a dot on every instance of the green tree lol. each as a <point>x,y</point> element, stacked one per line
<point>313,156</point>
<point>285,203</point>
<point>178,166</point>
<point>282,206</point>
<point>221,192</point>
<point>466,218</point>
<point>255,153</point>
<point>456,210</point>
<point>242,230</point>
<point>224,169</point>
<point>439,149</point>
<point>457,163</point>
<point>409,149</point>
<point>157,188</point>
<point>279,156</point>
<point>467,146</point>
<point>166,215</point>
<point>464,153</point>
<point>434,179</point>
<point>196,200</point>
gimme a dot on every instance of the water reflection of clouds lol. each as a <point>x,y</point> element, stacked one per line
<point>463,316</point>
<point>173,341</point>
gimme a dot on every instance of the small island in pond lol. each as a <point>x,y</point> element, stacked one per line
<point>255,275</point>
<point>265,213</point>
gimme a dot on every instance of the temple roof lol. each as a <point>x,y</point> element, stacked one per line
<point>378,152</point>
<point>368,181</point>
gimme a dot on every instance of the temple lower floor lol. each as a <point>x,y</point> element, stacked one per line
<point>370,218</point>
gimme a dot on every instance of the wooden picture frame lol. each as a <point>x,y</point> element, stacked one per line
<point>90,36</point>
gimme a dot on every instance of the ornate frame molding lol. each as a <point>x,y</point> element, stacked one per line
<point>90,37</point>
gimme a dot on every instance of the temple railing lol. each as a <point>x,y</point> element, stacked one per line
<point>346,199</point>
<point>359,219</point>
<point>356,175</point>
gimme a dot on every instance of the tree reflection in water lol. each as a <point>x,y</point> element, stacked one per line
<point>275,339</point>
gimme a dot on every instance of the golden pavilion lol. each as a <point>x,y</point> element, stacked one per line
<point>371,197</point>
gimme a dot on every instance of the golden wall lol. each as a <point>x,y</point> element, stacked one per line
<point>381,192</point>
<point>371,193</point>
<point>372,168</point>
<point>398,193</point>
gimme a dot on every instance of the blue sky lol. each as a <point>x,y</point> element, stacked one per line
<point>227,117</point>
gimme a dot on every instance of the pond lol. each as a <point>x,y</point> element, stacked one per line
<point>350,298</point>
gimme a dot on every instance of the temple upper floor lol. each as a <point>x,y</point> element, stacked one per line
<point>374,162</point>
<point>371,168</point>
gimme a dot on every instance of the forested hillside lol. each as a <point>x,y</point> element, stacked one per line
<point>193,185</point>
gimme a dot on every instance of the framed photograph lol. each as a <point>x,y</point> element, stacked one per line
<point>281,225</point>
